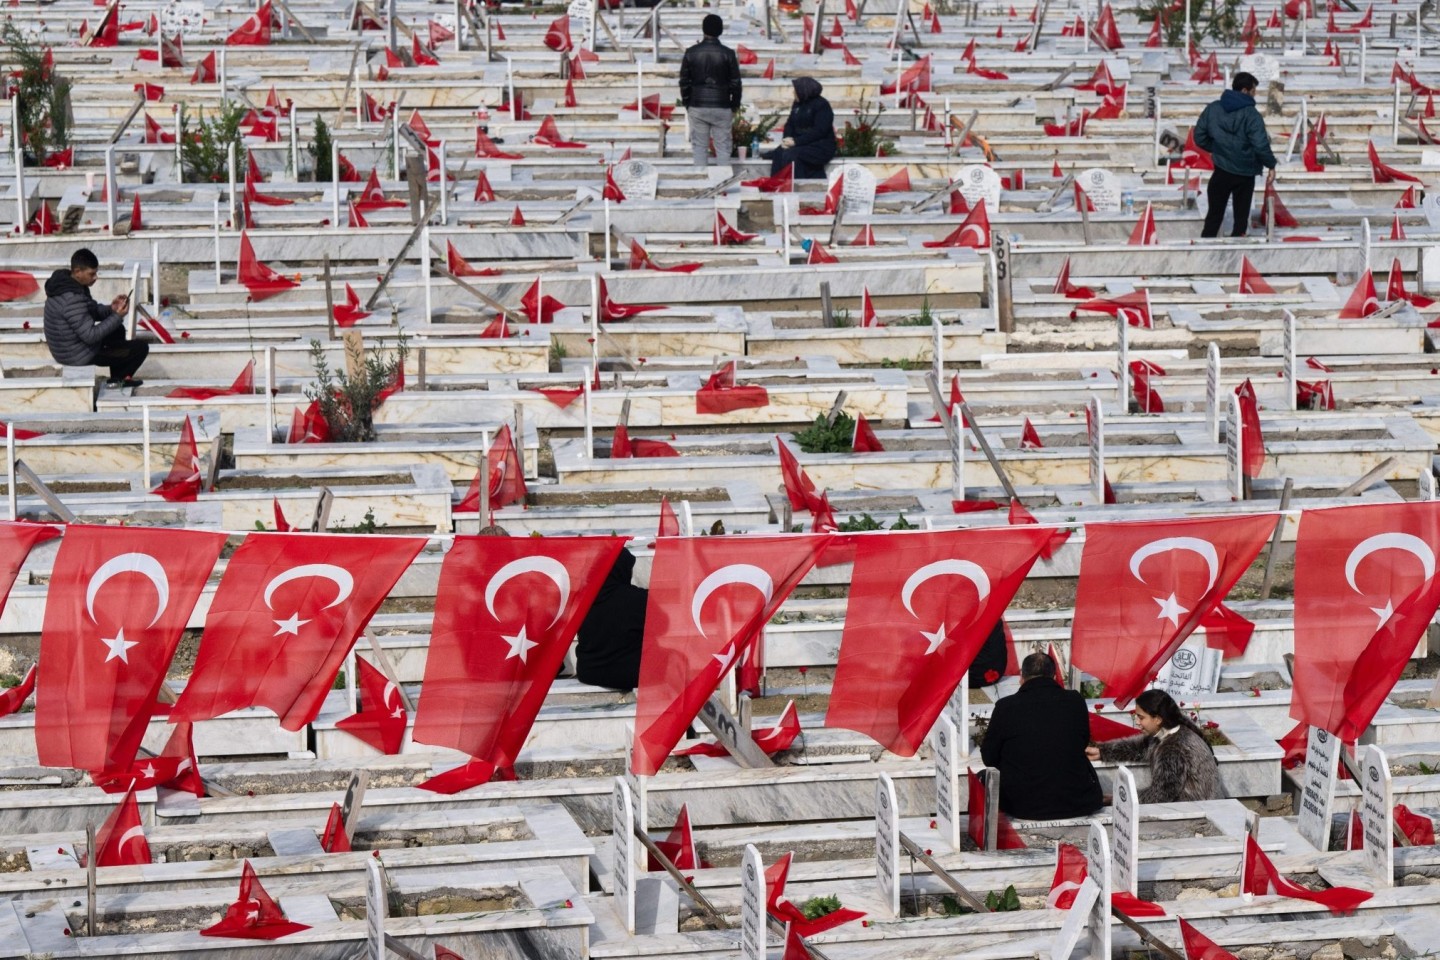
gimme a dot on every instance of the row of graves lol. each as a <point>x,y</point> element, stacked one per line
<point>272,696</point>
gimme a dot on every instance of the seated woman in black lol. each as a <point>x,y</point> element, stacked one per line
<point>809,133</point>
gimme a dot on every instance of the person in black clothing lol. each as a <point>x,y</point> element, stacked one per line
<point>1037,739</point>
<point>989,664</point>
<point>608,652</point>
<point>1233,132</point>
<point>80,332</point>
<point>710,91</point>
<point>809,133</point>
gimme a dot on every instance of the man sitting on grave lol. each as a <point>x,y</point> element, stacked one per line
<point>1233,132</point>
<point>1037,739</point>
<point>81,332</point>
<point>1182,762</point>
<point>608,651</point>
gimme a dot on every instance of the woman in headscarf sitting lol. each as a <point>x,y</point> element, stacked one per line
<point>809,133</point>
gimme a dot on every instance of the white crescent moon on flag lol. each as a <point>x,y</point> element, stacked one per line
<point>1204,548</point>
<point>344,582</point>
<point>545,566</point>
<point>979,233</point>
<point>960,568</point>
<point>1389,541</point>
<point>141,563</point>
<point>131,834</point>
<point>734,573</point>
<point>389,689</point>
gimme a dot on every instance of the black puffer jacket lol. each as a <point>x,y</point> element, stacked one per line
<point>811,125</point>
<point>75,324</point>
<point>710,76</point>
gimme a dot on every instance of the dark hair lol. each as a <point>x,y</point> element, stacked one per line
<point>1160,704</point>
<point>83,259</point>
<point>1037,665</point>
<point>1244,81</point>
<point>712,25</point>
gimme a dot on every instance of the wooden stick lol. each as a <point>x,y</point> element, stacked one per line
<point>23,472</point>
<point>125,124</point>
<point>942,409</point>
<point>400,257</point>
<point>1275,540</point>
<point>1159,945</point>
<point>90,858</point>
<point>836,408</point>
<point>329,299</point>
<point>946,877</point>
<point>989,454</point>
<point>706,907</point>
<point>1371,475</point>
<point>385,666</point>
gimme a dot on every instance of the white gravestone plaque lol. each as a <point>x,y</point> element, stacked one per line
<point>1095,436</point>
<point>637,179</point>
<point>1212,391</point>
<point>887,843</point>
<point>1265,67</point>
<point>377,907</point>
<point>1376,812</point>
<point>639,785</point>
<point>1075,919</point>
<point>1126,824</point>
<point>752,905</point>
<point>1317,793</point>
<point>1426,484</point>
<point>1097,857</point>
<point>858,189</point>
<point>1122,372</point>
<point>1288,359</point>
<point>622,816</point>
<point>185,17</point>
<point>978,182</point>
<point>1192,669</point>
<point>1234,466</point>
<point>1103,188</point>
<point>1430,206</point>
<point>944,741</point>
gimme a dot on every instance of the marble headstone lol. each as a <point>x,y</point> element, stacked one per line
<point>887,843</point>
<point>1265,67</point>
<point>1095,437</point>
<point>1193,669</point>
<point>622,815</point>
<point>1376,812</point>
<point>377,906</point>
<point>1103,188</point>
<point>1317,792</point>
<point>752,905</point>
<point>1288,346</point>
<point>639,785</point>
<point>637,179</point>
<point>1097,862</point>
<point>1212,391</point>
<point>1234,448</point>
<point>1126,824</point>
<point>944,742</point>
<point>857,189</point>
<point>978,182</point>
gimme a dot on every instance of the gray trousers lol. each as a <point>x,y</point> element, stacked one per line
<point>710,124</point>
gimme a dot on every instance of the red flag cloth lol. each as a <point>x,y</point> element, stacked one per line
<point>97,681</point>
<point>17,539</point>
<point>252,191</point>
<point>182,483</point>
<point>549,136</point>
<point>255,31</point>
<point>911,630</point>
<point>333,839</point>
<point>1005,836</point>
<point>487,148</point>
<point>782,182</point>
<point>439,33</point>
<point>243,384</point>
<point>612,191</point>
<point>473,773</point>
<point>1252,453</point>
<point>1383,173</point>
<point>679,845</point>
<point>1103,729</point>
<point>175,767</point>
<point>43,222</point>
<point>1283,216</point>
<point>913,79</point>
<point>1260,878</point>
<point>287,610</point>
<point>120,841</point>
<point>1070,873</point>
<point>1368,593</point>
<point>1192,157</point>
<point>720,393</point>
<point>687,650</point>
<point>640,260</point>
<point>1020,516</point>
<point>484,192</point>
<point>669,523</point>
<point>1106,30</point>
<point>868,317</point>
<point>898,182</point>
<point>536,308</point>
<point>798,486</point>
<point>308,426</point>
<point>354,219</point>
<point>772,740</point>
<point>349,313</point>
<point>1397,229</point>
<point>13,698</point>
<point>1134,307</point>
<point>1146,396</point>
<point>650,108</point>
<point>622,447</point>
<point>1064,287</point>
<point>445,953</point>
<point>461,267</point>
<point>16,285</point>
<point>557,35</point>
<point>746,56</point>
<point>1407,200</point>
<point>254,915</point>
<point>381,719</point>
<point>724,235</point>
<point>1250,279</point>
<point>258,278</point>
<point>1395,288</point>
<point>611,311</point>
<point>865,237</point>
<point>1419,828</point>
<point>502,467</point>
<point>281,524</point>
<point>974,232</point>
<point>482,689</point>
<point>1128,570</point>
<point>865,440</point>
<point>1363,300</point>
<point>419,55</point>
<point>1200,947</point>
<point>136,221</point>
<point>561,396</point>
<point>496,329</point>
<point>1074,128</point>
<point>792,916</point>
<point>818,254</point>
<point>1029,437</point>
<point>373,197</point>
<point>1311,154</point>
<point>1227,631</point>
<point>1144,234</point>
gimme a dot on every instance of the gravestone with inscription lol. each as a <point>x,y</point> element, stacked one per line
<point>752,905</point>
<point>1097,863</point>
<point>1126,824</point>
<point>637,179</point>
<point>377,908</point>
<point>978,182</point>
<point>1212,391</point>
<point>1376,812</point>
<point>1103,188</point>
<point>944,741</point>
<point>887,843</point>
<point>1193,669</point>
<point>1317,791</point>
<point>1095,438</point>
<point>857,189</point>
<point>1234,447</point>
<point>622,816</point>
<point>1265,67</point>
<point>639,785</point>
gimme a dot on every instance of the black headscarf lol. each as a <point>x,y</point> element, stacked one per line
<point>806,88</point>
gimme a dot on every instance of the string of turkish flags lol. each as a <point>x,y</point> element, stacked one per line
<point>1365,587</point>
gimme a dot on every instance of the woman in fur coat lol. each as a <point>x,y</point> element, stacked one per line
<point>1182,764</point>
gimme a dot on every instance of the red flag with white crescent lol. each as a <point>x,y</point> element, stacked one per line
<point>285,614</point>
<point>921,606</point>
<point>1260,877</point>
<point>1146,585</point>
<point>16,541</point>
<point>381,719</point>
<point>118,601</point>
<point>506,610</point>
<point>1365,591</point>
<point>174,767</point>
<point>120,841</point>
<point>709,599</point>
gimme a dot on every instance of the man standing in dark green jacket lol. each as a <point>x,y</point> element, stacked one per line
<point>1233,132</point>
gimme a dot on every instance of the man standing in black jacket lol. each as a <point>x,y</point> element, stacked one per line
<point>1037,739</point>
<point>710,90</point>
<point>81,332</point>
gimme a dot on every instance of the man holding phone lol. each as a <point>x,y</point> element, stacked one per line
<point>81,332</point>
